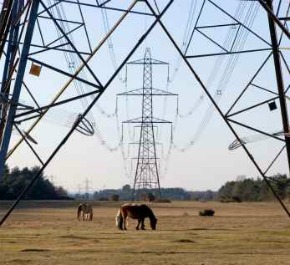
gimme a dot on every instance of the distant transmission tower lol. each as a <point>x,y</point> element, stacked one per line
<point>147,173</point>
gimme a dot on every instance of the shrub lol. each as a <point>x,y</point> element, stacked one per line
<point>163,200</point>
<point>206,212</point>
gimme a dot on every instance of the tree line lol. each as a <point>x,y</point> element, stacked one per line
<point>255,189</point>
<point>167,194</point>
<point>14,181</point>
<point>246,189</point>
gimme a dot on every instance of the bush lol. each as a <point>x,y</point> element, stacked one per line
<point>163,200</point>
<point>206,212</point>
<point>115,198</point>
<point>103,199</point>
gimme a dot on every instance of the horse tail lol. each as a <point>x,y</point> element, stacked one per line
<point>79,211</point>
<point>119,220</point>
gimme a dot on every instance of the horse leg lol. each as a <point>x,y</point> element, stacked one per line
<point>127,221</point>
<point>142,224</point>
<point>137,227</point>
<point>124,220</point>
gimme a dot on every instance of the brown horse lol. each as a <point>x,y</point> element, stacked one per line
<point>86,210</point>
<point>135,211</point>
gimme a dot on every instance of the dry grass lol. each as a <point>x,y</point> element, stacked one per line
<point>49,233</point>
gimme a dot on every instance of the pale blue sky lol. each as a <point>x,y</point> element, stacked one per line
<point>207,163</point>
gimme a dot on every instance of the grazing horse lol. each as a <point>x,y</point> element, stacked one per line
<point>135,211</point>
<point>118,216</point>
<point>86,210</point>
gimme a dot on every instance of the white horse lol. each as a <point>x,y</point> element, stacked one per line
<point>86,210</point>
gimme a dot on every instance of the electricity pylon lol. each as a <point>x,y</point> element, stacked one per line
<point>146,173</point>
<point>26,37</point>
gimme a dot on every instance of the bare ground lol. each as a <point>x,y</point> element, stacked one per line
<point>239,233</point>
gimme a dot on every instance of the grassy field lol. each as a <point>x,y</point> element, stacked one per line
<point>239,233</point>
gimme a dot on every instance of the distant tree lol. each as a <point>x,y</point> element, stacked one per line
<point>61,193</point>
<point>126,188</point>
<point>115,197</point>
<point>254,190</point>
<point>225,193</point>
<point>96,195</point>
<point>265,192</point>
<point>208,195</point>
<point>126,192</point>
<point>150,197</point>
<point>16,180</point>
<point>280,183</point>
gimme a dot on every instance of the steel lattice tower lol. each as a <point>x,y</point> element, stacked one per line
<point>147,175</point>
